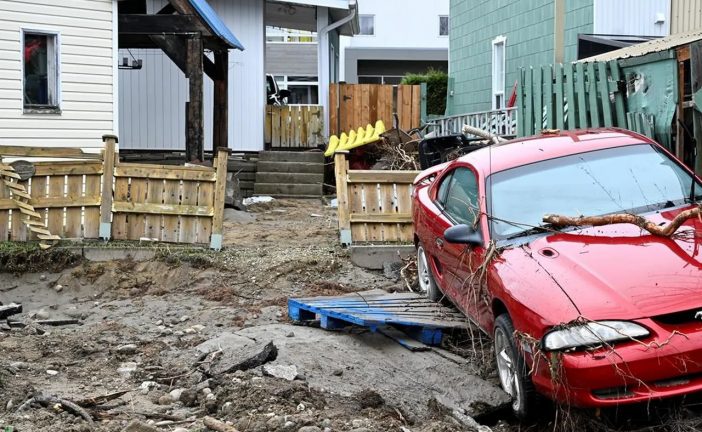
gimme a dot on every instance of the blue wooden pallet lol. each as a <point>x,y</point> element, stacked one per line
<point>420,318</point>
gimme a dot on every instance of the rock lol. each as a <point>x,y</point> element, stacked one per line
<point>127,369</point>
<point>40,314</point>
<point>231,215</point>
<point>291,334</point>
<point>127,349</point>
<point>175,394</point>
<point>165,400</point>
<point>58,288</point>
<point>9,405</point>
<point>178,333</point>
<point>338,372</point>
<point>288,425</point>
<point>198,327</point>
<point>146,386</point>
<point>166,332</point>
<point>181,429</point>
<point>326,423</point>
<point>184,318</point>
<point>210,397</point>
<point>300,407</point>
<point>275,422</point>
<point>361,430</point>
<point>288,372</point>
<point>391,270</point>
<point>206,391</point>
<point>227,407</point>
<point>190,330</point>
<point>188,398</point>
<point>369,399</point>
<point>51,372</point>
<point>159,322</point>
<point>137,426</point>
<point>175,320</point>
<point>357,423</point>
<point>42,277</point>
<point>238,353</point>
<point>309,429</point>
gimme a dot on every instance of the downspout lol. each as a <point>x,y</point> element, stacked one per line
<point>336,24</point>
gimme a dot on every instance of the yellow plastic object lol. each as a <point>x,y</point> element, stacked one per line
<point>333,145</point>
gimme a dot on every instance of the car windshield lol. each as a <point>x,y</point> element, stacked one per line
<point>631,179</point>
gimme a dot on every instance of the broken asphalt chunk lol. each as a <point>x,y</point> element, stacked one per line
<point>229,353</point>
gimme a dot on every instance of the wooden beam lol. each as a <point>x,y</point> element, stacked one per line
<point>169,209</point>
<point>209,67</point>
<point>167,173</point>
<point>221,98</point>
<point>58,152</point>
<point>174,47</point>
<point>194,143</point>
<point>160,24</point>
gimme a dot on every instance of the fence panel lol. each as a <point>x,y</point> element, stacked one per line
<point>356,105</point>
<point>374,205</point>
<point>294,126</point>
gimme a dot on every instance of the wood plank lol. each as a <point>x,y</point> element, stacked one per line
<point>171,224</point>
<point>58,152</point>
<point>603,85</point>
<point>67,168</point>
<point>73,228</point>
<point>268,125</point>
<point>388,105</point>
<point>119,220</point>
<point>560,114</point>
<point>134,168</point>
<point>572,122</point>
<point>592,94</point>
<point>416,106</point>
<point>19,229</point>
<point>54,218</point>
<point>4,216</point>
<point>108,179</point>
<point>372,207</point>
<point>159,209</point>
<point>275,122</point>
<point>173,173</point>
<point>582,97</point>
<point>188,230</point>
<point>358,115</point>
<point>136,222</point>
<point>406,116</point>
<point>388,207</point>
<point>365,105</point>
<point>154,195</point>
<point>380,176</point>
<point>54,202</point>
<point>342,192</point>
<point>548,96</point>
<point>220,192</point>
<point>373,103</point>
<point>381,218</point>
<point>333,109</point>
<point>91,214</point>
<point>205,197</point>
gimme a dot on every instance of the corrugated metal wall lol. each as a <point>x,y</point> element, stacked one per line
<point>152,100</point>
<point>686,16</point>
<point>631,17</point>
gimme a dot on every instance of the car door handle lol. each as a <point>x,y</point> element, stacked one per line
<point>439,243</point>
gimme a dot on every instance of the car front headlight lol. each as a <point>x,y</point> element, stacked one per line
<point>592,334</point>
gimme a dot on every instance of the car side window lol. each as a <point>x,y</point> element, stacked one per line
<point>461,199</point>
<point>443,188</point>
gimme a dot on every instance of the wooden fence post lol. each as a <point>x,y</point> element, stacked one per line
<point>342,196</point>
<point>220,192</point>
<point>108,175</point>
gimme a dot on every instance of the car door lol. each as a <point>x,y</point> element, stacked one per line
<point>457,198</point>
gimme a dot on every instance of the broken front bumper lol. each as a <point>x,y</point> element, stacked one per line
<point>667,364</point>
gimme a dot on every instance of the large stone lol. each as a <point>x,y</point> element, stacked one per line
<point>137,426</point>
<point>237,354</point>
<point>288,372</point>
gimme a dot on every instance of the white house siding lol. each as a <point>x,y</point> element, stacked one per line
<point>686,16</point>
<point>632,17</point>
<point>86,72</point>
<point>152,100</point>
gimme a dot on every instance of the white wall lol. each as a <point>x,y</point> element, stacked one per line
<point>152,100</point>
<point>631,17</point>
<point>85,30</point>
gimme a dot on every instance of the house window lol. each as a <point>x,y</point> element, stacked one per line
<point>367,23</point>
<point>40,66</point>
<point>443,25</point>
<point>498,72</point>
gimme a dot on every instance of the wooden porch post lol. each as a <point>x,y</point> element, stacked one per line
<point>194,142</point>
<point>221,98</point>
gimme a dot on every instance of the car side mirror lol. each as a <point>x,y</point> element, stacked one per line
<point>463,234</point>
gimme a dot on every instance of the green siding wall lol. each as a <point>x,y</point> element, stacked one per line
<point>528,27</point>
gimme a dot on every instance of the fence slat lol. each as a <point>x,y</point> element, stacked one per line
<point>54,218</point>
<point>205,195</point>
<point>528,102</point>
<point>171,224</point>
<point>603,86</point>
<point>91,225</point>
<point>333,109</point>
<point>188,232</point>
<point>592,93</point>
<point>38,191</point>
<point>74,187</point>
<point>520,102</point>
<point>538,100</point>
<point>582,98</point>
<point>570,98</point>
<point>154,195</point>
<point>136,228</point>
<point>4,216</point>
<point>548,95</point>
<point>560,115</point>
<point>618,96</point>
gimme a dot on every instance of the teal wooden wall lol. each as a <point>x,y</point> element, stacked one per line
<point>528,26</point>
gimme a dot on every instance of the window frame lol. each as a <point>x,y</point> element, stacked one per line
<point>448,26</point>
<point>360,17</point>
<point>55,95</point>
<point>496,91</point>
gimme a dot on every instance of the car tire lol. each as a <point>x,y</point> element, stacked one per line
<point>512,370</point>
<point>427,284</point>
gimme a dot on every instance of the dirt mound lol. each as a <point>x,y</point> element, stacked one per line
<point>27,257</point>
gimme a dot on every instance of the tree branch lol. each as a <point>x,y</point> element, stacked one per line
<point>560,221</point>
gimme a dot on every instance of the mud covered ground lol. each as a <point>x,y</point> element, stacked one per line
<point>152,334</point>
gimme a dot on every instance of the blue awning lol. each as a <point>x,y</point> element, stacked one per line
<point>215,23</point>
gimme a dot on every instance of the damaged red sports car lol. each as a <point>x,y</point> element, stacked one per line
<point>593,311</point>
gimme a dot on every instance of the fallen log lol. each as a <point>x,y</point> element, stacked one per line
<point>667,230</point>
<point>217,425</point>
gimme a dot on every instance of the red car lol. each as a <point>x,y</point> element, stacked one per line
<point>590,316</point>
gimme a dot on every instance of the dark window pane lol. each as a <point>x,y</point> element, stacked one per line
<point>443,26</point>
<point>370,80</point>
<point>462,197</point>
<point>36,70</point>
<point>367,24</point>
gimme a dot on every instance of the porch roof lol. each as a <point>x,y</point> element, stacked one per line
<point>652,46</point>
<point>215,23</point>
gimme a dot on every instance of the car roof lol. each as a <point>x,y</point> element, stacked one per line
<point>554,144</point>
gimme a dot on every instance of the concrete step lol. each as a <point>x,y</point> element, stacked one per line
<point>283,156</point>
<point>291,167</point>
<point>294,178</point>
<point>288,189</point>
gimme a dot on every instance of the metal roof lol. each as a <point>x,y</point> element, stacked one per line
<point>215,23</point>
<point>652,46</point>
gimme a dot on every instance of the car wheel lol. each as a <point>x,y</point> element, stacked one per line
<point>511,368</point>
<point>427,284</point>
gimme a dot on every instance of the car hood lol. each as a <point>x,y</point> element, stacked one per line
<point>621,272</point>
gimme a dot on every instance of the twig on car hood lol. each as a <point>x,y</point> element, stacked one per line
<point>560,221</point>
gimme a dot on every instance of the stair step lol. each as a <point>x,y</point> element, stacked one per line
<point>288,189</point>
<point>291,167</point>
<point>283,177</point>
<point>283,156</point>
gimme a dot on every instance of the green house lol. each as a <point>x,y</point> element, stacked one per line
<point>490,40</point>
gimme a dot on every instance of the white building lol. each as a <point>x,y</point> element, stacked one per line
<point>58,65</point>
<point>396,37</point>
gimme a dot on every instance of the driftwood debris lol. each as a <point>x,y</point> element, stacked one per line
<point>667,230</point>
<point>53,323</point>
<point>217,425</point>
<point>53,401</point>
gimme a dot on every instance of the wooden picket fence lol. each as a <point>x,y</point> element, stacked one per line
<point>373,205</point>
<point>356,105</point>
<point>294,126</point>
<point>570,96</point>
<point>90,195</point>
